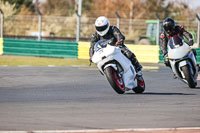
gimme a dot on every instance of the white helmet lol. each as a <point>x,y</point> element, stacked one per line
<point>102,25</point>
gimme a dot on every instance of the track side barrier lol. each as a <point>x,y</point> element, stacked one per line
<point>144,53</point>
<point>26,47</point>
<point>1,46</point>
<point>198,55</point>
<point>66,49</point>
<point>83,50</point>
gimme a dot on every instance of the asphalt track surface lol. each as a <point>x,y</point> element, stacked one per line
<point>80,98</point>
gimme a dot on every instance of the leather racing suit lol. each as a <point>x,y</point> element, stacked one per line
<point>178,31</point>
<point>118,40</point>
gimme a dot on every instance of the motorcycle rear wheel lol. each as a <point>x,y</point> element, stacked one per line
<point>115,81</point>
<point>188,76</point>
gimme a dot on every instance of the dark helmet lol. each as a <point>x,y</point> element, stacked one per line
<point>169,25</point>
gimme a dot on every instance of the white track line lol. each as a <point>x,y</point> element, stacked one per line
<point>105,130</point>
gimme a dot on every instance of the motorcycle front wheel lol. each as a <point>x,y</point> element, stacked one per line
<point>115,80</point>
<point>188,76</point>
<point>141,85</point>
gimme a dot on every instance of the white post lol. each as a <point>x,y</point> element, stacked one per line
<point>118,19</point>
<point>39,20</point>
<point>2,20</point>
<point>198,33</point>
<point>198,30</point>
<point>39,27</point>
<point>78,20</point>
<point>158,28</point>
<point>158,32</point>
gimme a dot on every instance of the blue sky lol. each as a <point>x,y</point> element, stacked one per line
<point>195,3</point>
<point>192,3</point>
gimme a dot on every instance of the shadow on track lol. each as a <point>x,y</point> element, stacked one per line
<point>196,88</point>
<point>154,93</point>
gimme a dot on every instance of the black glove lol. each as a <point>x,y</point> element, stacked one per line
<point>90,60</point>
<point>166,60</point>
<point>191,42</point>
<point>119,42</point>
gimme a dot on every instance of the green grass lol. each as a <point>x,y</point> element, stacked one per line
<point>40,61</point>
<point>6,60</point>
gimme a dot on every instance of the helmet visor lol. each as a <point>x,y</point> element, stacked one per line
<point>101,28</point>
<point>169,27</point>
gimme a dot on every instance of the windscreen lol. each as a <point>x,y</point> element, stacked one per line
<point>175,42</point>
<point>102,44</point>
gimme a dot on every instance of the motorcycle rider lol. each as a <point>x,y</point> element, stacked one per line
<point>105,32</point>
<point>170,30</point>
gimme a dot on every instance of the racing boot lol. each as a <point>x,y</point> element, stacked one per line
<point>174,76</point>
<point>131,56</point>
<point>136,64</point>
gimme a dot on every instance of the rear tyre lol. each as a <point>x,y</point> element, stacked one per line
<point>115,81</point>
<point>141,85</point>
<point>188,76</point>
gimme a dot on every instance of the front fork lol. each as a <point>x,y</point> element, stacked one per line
<point>177,66</point>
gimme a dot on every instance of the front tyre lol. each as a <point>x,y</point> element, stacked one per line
<point>141,85</point>
<point>188,76</point>
<point>115,81</point>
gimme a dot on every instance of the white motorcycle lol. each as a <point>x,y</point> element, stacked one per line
<point>117,68</point>
<point>182,61</point>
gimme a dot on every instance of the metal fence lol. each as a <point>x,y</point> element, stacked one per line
<point>60,27</point>
<point>55,26</point>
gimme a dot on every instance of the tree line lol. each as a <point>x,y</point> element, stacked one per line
<point>130,9</point>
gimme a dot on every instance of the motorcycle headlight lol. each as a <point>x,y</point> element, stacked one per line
<point>177,46</point>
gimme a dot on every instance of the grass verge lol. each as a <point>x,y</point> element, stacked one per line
<point>40,61</point>
<point>6,60</point>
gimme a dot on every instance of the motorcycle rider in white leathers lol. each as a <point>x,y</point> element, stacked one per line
<point>105,32</point>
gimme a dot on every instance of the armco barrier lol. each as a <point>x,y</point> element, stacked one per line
<point>161,59</point>
<point>144,53</point>
<point>83,50</point>
<point>198,55</point>
<point>1,46</point>
<point>26,47</point>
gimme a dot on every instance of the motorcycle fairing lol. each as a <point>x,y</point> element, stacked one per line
<point>113,53</point>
